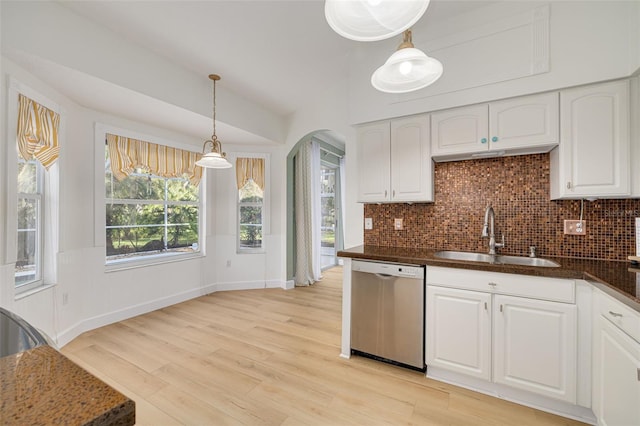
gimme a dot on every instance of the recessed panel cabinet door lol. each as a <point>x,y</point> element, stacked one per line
<point>616,390</point>
<point>411,165</point>
<point>374,150</point>
<point>593,159</point>
<point>535,345</point>
<point>526,121</point>
<point>458,331</point>
<point>460,130</point>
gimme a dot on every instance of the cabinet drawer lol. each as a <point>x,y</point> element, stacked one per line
<point>554,289</point>
<point>623,316</point>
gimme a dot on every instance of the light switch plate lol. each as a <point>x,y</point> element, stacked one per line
<point>368,223</point>
<point>397,224</point>
<point>575,227</point>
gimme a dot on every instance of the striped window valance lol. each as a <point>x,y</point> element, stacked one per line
<point>127,154</point>
<point>37,132</point>
<point>250,169</point>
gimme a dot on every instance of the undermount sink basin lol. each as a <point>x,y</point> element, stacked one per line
<point>496,259</point>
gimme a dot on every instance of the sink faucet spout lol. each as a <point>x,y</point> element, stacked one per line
<point>488,230</point>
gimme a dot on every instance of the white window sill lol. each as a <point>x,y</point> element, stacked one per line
<point>33,291</point>
<point>151,260</point>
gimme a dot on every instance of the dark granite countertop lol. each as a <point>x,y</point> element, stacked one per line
<point>616,278</point>
<point>41,386</point>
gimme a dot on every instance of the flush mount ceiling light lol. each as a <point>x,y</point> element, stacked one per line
<point>215,159</point>
<point>408,69</point>
<point>372,20</point>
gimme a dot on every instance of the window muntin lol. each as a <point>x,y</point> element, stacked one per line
<point>30,194</point>
<point>250,217</point>
<point>147,215</point>
<point>252,201</point>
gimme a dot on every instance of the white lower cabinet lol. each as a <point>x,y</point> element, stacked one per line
<point>616,364</point>
<point>459,331</point>
<point>534,346</point>
<point>520,341</point>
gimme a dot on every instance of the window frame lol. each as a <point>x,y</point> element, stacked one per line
<point>265,203</point>
<point>39,196</point>
<point>49,207</point>
<point>100,237</point>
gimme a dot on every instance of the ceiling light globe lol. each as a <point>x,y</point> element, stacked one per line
<point>372,20</point>
<point>405,67</point>
<point>393,77</point>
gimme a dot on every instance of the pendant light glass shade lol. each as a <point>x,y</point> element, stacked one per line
<point>372,20</point>
<point>215,159</point>
<point>408,69</point>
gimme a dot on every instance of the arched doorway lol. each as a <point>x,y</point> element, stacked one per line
<point>314,216</point>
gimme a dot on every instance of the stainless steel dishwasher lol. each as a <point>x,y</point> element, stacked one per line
<point>387,312</point>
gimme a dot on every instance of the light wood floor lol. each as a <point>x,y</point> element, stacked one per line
<point>271,357</point>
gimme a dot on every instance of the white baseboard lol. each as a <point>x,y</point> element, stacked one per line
<point>97,321</point>
<point>518,396</point>
<point>77,329</point>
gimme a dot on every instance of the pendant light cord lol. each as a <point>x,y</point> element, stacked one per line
<point>214,137</point>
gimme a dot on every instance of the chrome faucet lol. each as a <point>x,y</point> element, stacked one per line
<point>488,230</point>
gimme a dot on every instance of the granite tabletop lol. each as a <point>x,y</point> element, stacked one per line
<point>617,278</point>
<point>43,387</point>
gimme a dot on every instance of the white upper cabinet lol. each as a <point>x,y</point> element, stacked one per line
<point>394,161</point>
<point>374,151</point>
<point>411,165</point>
<point>521,125</point>
<point>459,131</point>
<point>593,159</point>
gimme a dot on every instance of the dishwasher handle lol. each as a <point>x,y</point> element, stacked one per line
<point>384,276</point>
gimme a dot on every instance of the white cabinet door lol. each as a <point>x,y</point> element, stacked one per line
<point>411,165</point>
<point>460,130</point>
<point>458,331</point>
<point>616,380</point>
<point>374,150</point>
<point>524,122</point>
<point>593,157</point>
<point>535,346</point>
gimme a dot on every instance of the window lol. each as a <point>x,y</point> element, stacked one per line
<point>250,180</point>
<point>28,267</point>
<point>150,215</point>
<point>33,184</point>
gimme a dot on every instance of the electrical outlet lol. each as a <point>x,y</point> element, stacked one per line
<point>228,263</point>
<point>368,223</point>
<point>397,224</point>
<point>65,298</point>
<point>575,227</point>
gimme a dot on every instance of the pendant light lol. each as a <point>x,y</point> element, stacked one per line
<point>215,159</point>
<point>408,69</point>
<point>372,20</point>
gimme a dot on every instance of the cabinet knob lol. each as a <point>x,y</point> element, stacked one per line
<point>385,193</point>
<point>494,139</point>
<point>493,284</point>
<point>615,314</point>
<point>568,185</point>
<point>483,140</point>
<point>393,193</point>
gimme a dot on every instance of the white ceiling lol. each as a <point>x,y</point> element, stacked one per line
<point>274,53</point>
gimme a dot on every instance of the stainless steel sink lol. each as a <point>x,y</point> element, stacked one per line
<point>496,259</point>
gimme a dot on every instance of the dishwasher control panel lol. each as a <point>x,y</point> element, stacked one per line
<point>393,269</point>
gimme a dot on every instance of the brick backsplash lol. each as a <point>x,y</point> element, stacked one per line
<point>518,189</point>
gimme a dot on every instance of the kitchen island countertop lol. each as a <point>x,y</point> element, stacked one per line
<point>41,386</point>
<point>617,278</point>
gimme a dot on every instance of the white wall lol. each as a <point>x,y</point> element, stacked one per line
<point>96,297</point>
<point>50,31</point>
<point>588,41</point>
